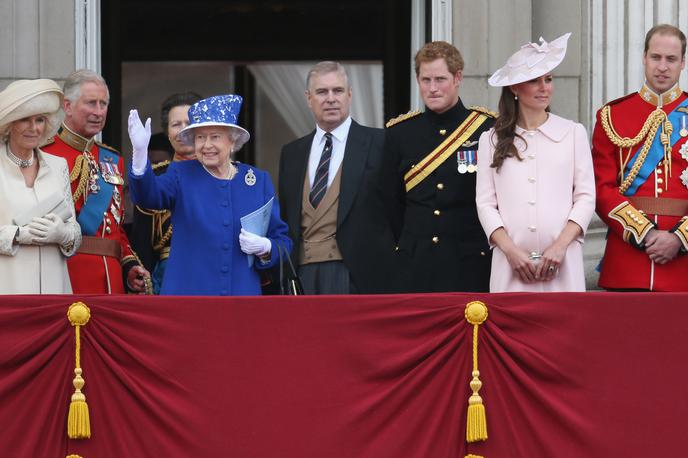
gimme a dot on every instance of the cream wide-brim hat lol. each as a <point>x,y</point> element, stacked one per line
<point>24,98</point>
<point>531,61</point>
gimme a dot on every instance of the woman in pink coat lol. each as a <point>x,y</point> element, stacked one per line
<point>535,183</point>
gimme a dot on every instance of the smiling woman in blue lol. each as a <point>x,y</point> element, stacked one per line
<point>210,254</point>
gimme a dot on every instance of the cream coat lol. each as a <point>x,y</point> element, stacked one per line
<point>31,269</point>
<point>533,199</point>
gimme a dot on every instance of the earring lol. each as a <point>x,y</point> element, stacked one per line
<point>515,97</point>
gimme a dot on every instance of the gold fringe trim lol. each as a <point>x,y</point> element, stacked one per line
<point>402,117</point>
<point>476,424</point>
<point>78,421</point>
<point>74,456</point>
<point>484,110</point>
<point>474,456</point>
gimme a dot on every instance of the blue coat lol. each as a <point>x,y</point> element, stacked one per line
<point>205,257</point>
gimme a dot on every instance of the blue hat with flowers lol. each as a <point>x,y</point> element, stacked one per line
<point>219,110</point>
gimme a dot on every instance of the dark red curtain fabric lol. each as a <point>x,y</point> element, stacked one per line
<point>564,375</point>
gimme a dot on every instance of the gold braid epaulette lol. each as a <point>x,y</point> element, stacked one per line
<point>648,132</point>
<point>160,164</point>
<point>81,172</point>
<point>402,117</point>
<point>484,110</point>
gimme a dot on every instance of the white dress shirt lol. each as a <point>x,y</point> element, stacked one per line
<point>339,136</point>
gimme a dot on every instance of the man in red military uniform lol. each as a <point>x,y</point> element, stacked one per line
<point>105,262</point>
<point>640,157</point>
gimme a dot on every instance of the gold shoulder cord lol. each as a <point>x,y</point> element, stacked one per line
<point>81,172</point>
<point>648,131</point>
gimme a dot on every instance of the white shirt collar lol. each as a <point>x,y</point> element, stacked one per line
<point>340,132</point>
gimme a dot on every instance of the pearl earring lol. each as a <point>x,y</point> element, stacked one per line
<point>515,97</point>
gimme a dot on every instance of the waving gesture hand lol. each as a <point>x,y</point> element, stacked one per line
<point>140,136</point>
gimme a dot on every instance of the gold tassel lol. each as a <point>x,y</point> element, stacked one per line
<point>77,456</point>
<point>78,422</point>
<point>476,424</point>
<point>467,456</point>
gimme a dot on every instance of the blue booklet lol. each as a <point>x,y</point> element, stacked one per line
<point>257,222</point>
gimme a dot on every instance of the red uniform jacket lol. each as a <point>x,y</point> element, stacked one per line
<point>625,263</point>
<point>92,273</point>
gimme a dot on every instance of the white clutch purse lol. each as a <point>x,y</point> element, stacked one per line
<point>52,204</point>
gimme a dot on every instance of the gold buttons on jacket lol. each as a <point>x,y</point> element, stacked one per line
<point>660,190</point>
<point>660,181</point>
<point>436,213</point>
<point>440,186</point>
<point>443,131</point>
<point>658,171</point>
<point>435,239</point>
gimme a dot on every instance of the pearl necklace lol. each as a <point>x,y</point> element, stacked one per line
<point>21,163</point>
<point>230,173</point>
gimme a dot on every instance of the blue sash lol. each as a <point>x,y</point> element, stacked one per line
<point>91,214</point>
<point>656,153</point>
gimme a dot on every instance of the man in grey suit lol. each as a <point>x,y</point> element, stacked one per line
<point>329,196</point>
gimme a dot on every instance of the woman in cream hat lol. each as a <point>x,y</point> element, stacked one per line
<point>214,250</point>
<point>535,185</point>
<point>38,230</point>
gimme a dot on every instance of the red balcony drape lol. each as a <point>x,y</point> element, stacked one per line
<point>564,375</point>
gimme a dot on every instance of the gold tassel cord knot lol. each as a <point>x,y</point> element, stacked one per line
<point>476,424</point>
<point>657,119</point>
<point>78,421</point>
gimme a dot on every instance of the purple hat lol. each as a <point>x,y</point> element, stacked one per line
<point>219,110</point>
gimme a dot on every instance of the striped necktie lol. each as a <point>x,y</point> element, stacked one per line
<point>320,181</point>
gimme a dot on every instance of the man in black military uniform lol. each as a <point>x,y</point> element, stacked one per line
<point>429,181</point>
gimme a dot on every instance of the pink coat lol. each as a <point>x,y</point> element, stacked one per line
<point>533,199</point>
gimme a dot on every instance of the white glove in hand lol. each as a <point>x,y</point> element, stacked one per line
<point>49,229</point>
<point>140,137</point>
<point>254,244</point>
<point>24,237</point>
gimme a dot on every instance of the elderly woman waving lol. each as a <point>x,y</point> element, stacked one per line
<point>211,254</point>
<point>38,230</point>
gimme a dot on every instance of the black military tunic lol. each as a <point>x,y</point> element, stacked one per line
<point>151,235</point>
<point>441,244</point>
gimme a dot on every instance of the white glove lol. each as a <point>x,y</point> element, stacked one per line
<point>24,237</point>
<point>140,137</point>
<point>254,244</point>
<point>49,229</point>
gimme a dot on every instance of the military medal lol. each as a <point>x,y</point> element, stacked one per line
<point>472,166</point>
<point>93,186</point>
<point>683,132</point>
<point>684,177</point>
<point>117,197</point>
<point>684,151</point>
<point>111,173</point>
<point>461,160</point>
<point>115,213</point>
<point>250,177</point>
